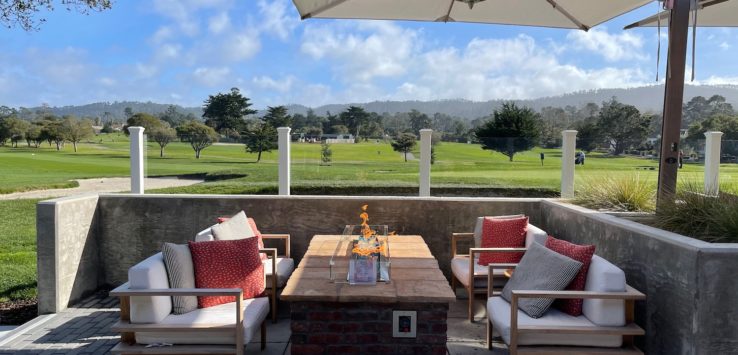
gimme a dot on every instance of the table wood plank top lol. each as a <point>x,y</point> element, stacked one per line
<point>416,276</point>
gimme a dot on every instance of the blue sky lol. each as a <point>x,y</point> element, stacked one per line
<point>180,51</point>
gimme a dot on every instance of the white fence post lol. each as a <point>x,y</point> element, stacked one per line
<point>425,161</point>
<point>568,147</point>
<point>712,163</point>
<point>284,160</point>
<point>137,160</point>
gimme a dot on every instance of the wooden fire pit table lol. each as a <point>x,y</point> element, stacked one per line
<point>329,318</point>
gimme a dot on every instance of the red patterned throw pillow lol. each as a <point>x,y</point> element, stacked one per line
<point>503,233</point>
<point>582,254</point>
<point>252,224</point>
<point>227,264</point>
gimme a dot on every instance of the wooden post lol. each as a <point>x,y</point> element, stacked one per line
<point>673,100</point>
<point>125,316</point>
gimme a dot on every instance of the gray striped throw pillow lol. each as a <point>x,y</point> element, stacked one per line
<point>181,273</point>
<point>540,269</point>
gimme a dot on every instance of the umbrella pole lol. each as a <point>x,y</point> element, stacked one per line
<point>673,100</point>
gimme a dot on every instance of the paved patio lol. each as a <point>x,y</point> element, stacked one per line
<point>85,329</point>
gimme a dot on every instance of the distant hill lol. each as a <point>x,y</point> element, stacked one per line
<point>115,109</point>
<point>646,98</point>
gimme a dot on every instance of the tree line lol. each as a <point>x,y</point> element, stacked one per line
<point>611,125</point>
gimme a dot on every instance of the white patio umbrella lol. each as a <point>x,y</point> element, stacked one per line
<point>710,13</point>
<point>572,14</point>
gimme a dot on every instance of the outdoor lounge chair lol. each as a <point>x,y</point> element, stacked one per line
<point>284,265</point>
<point>471,275</point>
<point>605,327</point>
<point>146,316</point>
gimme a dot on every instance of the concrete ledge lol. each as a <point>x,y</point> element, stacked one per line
<point>27,327</point>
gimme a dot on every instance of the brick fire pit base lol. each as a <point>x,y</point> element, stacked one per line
<point>363,328</point>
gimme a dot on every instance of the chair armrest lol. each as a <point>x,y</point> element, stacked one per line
<point>629,294</point>
<point>473,251</point>
<point>285,237</point>
<point>455,237</point>
<point>491,277</point>
<point>122,292</point>
<point>272,255</point>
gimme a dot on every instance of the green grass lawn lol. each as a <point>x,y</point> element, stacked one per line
<point>18,251</point>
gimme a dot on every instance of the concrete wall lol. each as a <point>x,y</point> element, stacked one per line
<point>139,225</point>
<point>692,304</point>
<point>67,258</point>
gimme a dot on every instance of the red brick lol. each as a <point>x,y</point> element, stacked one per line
<point>343,349</point>
<point>325,316</point>
<point>350,327</point>
<point>328,338</point>
<point>367,338</point>
<point>299,326</point>
<point>432,339</point>
<point>439,328</point>
<point>306,349</point>
<point>318,327</point>
<point>431,315</point>
<point>379,349</point>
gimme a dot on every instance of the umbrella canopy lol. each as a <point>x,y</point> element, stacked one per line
<point>574,14</point>
<point>710,13</point>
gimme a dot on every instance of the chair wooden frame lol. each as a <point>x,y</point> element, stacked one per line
<point>127,329</point>
<point>628,331</point>
<point>273,291</point>
<point>471,290</point>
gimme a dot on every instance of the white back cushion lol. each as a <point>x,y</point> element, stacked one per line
<point>149,274</point>
<point>205,235</point>
<point>603,276</point>
<point>535,234</point>
<point>237,227</point>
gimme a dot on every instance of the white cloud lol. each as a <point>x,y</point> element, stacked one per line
<point>211,77</point>
<point>612,47</point>
<point>266,82</point>
<point>376,49</point>
<point>219,23</point>
<point>167,51</point>
<point>162,34</point>
<point>241,46</point>
<point>724,46</point>
<point>720,80</point>
<point>275,20</point>
<point>514,68</point>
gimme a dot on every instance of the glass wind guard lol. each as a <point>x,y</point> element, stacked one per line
<point>361,258</point>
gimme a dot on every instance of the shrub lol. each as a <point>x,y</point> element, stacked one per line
<point>623,194</point>
<point>710,218</point>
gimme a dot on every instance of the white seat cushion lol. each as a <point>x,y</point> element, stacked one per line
<point>149,273</point>
<point>285,266</point>
<point>254,313</point>
<point>460,269</point>
<point>603,276</point>
<point>498,311</point>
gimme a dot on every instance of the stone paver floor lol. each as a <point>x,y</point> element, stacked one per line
<point>85,329</point>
